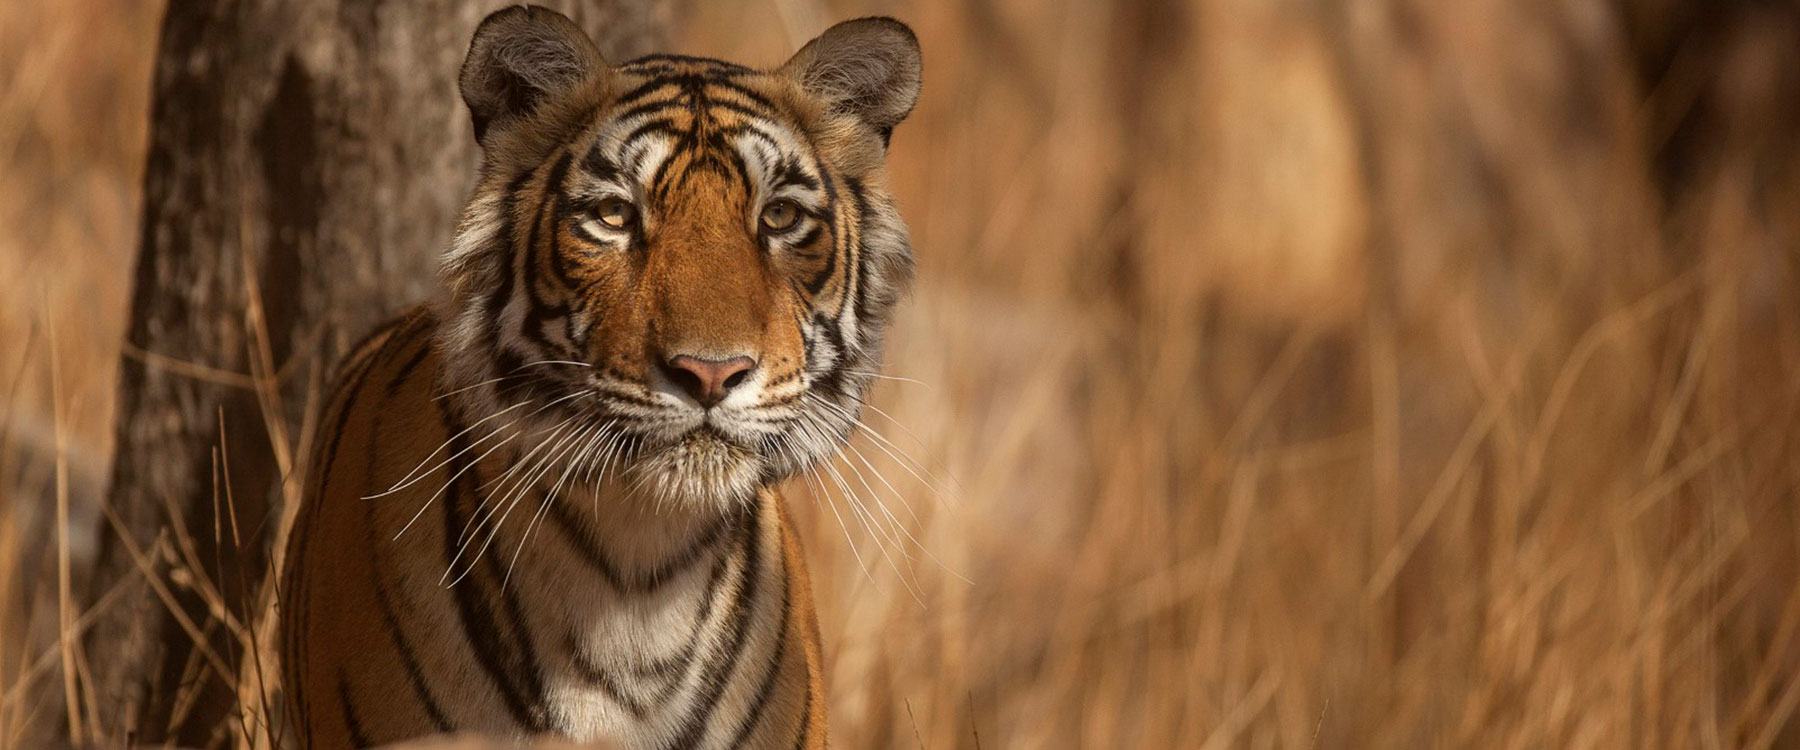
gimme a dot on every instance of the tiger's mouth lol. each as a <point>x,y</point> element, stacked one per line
<point>707,441</point>
<point>701,467</point>
<point>671,454</point>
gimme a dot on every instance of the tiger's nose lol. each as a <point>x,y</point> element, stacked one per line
<point>708,380</point>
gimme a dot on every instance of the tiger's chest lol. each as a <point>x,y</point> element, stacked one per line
<point>657,656</point>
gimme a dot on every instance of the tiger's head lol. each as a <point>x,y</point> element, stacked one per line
<point>676,271</point>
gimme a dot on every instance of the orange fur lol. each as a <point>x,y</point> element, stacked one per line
<point>546,504</point>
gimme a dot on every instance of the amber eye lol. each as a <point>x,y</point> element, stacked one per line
<point>780,215</point>
<point>617,213</point>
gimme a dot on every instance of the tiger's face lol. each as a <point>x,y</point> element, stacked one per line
<point>676,271</point>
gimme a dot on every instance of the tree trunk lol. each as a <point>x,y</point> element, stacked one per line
<point>308,160</point>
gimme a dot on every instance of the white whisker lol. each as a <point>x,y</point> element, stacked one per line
<point>494,486</point>
<point>410,479</point>
<point>510,375</point>
<point>818,485</point>
<point>888,447</point>
<point>518,492</point>
<point>857,509</point>
<point>451,481</point>
<point>908,507</point>
<point>896,378</point>
<point>903,428</point>
<point>477,462</point>
<point>854,503</point>
<point>592,436</point>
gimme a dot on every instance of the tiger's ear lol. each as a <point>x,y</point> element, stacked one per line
<point>520,57</point>
<point>868,68</point>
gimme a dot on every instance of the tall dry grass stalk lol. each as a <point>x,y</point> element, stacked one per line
<point>1331,376</point>
<point>1377,374</point>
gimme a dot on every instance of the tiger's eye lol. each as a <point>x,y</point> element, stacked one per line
<point>617,213</point>
<point>781,215</point>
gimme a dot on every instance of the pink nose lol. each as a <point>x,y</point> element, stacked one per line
<point>708,380</point>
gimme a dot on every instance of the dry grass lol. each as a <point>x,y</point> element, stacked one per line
<point>1390,375</point>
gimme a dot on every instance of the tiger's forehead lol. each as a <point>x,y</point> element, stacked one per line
<point>678,116</point>
<point>669,64</point>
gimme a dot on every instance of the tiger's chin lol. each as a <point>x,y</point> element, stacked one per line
<point>699,471</point>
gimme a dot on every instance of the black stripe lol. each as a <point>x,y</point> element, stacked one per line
<point>669,671</point>
<point>812,235</point>
<point>720,156</point>
<point>408,658</point>
<point>753,716</point>
<point>494,304</point>
<point>831,382</point>
<point>555,209</point>
<point>538,309</point>
<point>805,718</point>
<point>633,166</point>
<point>755,97</point>
<point>831,218</point>
<point>517,681</point>
<point>508,364</point>
<point>603,678</point>
<point>801,294</point>
<point>577,340</point>
<point>351,395</point>
<point>764,145</point>
<point>856,258</point>
<point>583,541</point>
<point>745,110</point>
<point>355,356</point>
<point>406,370</point>
<point>598,164</point>
<point>678,664</point>
<point>659,180</point>
<point>410,661</point>
<point>643,89</point>
<point>694,727</point>
<point>357,737</point>
<point>530,669</point>
<point>665,60</point>
<point>807,339</point>
<point>658,126</point>
<point>817,283</point>
<point>791,173</point>
<point>648,108</point>
<point>363,358</point>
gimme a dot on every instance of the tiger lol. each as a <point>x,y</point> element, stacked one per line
<point>545,503</point>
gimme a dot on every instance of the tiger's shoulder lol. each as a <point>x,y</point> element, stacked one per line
<point>398,350</point>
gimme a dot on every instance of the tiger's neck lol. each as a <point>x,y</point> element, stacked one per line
<point>643,614</point>
<point>636,542</point>
<point>621,529</point>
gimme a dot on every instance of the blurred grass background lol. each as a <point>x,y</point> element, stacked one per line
<point>1281,373</point>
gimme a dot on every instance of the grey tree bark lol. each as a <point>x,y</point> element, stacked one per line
<point>308,160</point>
